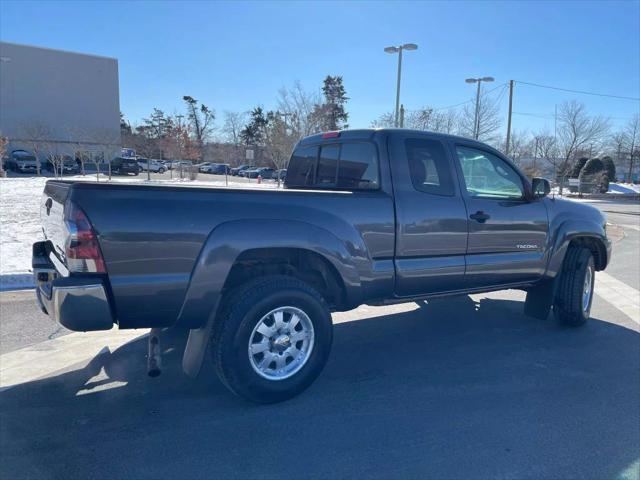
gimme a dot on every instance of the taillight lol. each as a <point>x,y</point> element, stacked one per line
<point>81,247</point>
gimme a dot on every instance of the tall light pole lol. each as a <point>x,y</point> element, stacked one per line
<point>476,122</point>
<point>398,50</point>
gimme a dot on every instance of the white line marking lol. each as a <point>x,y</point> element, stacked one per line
<point>45,358</point>
<point>619,294</point>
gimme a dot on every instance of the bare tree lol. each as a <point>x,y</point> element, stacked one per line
<point>632,139</point>
<point>233,123</point>
<point>617,144</point>
<point>520,146</point>
<point>488,119</point>
<point>201,120</point>
<point>425,118</point>
<point>386,120</point>
<point>278,139</point>
<point>576,130</point>
<point>298,106</point>
<point>37,135</point>
<point>54,156</point>
<point>109,142</point>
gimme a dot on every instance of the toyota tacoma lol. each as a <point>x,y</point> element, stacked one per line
<point>366,217</point>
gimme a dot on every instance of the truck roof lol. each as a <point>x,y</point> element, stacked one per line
<point>368,133</point>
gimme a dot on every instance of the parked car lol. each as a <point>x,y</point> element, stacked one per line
<point>216,168</point>
<point>243,172</point>
<point>125,166</point>
<point>202,167</point>
<point>68,165</point>
<point>366,217</point>
<point>175,164</point>
<point>21,161</point>
<point>221,169</point>
<point>155,166</point>
<point>236,170</point>
<point>263,172</point>
<point>280,174</point>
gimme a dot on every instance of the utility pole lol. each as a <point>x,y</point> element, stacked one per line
<point>509,117</point>
<point>401,116</point>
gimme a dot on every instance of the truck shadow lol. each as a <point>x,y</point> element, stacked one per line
<point>454,389</point>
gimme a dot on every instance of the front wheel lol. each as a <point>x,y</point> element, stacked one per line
<point>272,339</point>
<point>574,297</point>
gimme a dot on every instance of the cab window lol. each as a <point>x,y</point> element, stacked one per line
<point>349,165</point>
<point>429,166</point>
<point>302,167</point>
<point>488,176</point>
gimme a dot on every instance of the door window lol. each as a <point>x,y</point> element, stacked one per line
<point>488,176</point>
<point>429,166</point>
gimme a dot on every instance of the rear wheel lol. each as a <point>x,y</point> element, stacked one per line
<point>272,339</point>
<point>574,297</point>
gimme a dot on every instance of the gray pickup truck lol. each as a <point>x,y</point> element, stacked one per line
<point>367,217</point>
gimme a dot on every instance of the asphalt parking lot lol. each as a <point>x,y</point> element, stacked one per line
<point>467,387</point>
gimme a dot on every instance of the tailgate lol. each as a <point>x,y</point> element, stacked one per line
<point>52,215</point>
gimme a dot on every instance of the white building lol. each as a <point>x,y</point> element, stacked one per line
<point>65,103</point>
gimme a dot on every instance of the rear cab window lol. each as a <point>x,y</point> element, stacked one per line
<point>429,166</point>
<point>345,166</point>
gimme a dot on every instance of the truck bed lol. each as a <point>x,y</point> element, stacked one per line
<point>151,236</point>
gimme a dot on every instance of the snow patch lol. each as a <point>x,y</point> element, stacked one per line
<point>624,188</point>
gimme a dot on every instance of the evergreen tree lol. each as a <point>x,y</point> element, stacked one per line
<point>577,167</point>
<point>254,132</point>
<point>610,167</point>
<point>331,114</point>
<point>158,125</point>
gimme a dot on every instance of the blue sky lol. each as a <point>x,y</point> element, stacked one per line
<point>233,56</point>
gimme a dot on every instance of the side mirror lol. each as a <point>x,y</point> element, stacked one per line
<point>540,187</point>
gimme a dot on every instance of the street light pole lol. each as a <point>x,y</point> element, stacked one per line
<point>476,122</point>
<point>398,87</point>
<point>476,117</point>
<point>398,50</point>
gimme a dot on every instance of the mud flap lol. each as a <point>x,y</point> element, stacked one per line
<point>196,348</point>
<point>539,300</point>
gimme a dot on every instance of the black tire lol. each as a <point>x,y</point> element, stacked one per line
<point>569,307</point>
<point>161,170</point>
<point>241,312</point>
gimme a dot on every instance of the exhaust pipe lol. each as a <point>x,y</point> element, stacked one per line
<point>154,358</point>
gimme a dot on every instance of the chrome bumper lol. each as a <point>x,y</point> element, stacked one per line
<point>78,303</point>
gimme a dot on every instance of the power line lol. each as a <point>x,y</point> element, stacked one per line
<point>470,100</point>
<point>583,92</point>
<point>538,115</point>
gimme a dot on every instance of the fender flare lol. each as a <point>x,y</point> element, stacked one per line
<point>569,230</point>
<point>227,242</point>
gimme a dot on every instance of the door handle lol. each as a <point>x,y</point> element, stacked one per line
<point>480,216</point>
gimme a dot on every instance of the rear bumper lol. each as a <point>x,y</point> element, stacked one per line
<point>78,303</point>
